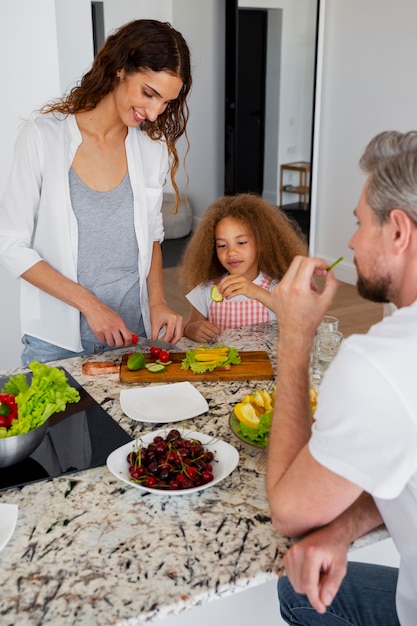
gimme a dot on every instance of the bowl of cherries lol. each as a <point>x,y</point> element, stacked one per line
<point>173,461</point>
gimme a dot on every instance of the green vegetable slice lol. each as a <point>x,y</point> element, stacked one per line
<point>155,368</point>
<point>215,294</point>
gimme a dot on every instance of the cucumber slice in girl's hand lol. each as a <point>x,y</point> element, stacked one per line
<point>215,294</point>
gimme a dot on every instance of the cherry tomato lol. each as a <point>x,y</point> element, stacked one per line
<point>155,352</point>
<point>134,338</point>
<point>164,356</point>
<point>4,422</point>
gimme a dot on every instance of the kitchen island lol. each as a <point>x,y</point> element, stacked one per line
<point>90,550</point>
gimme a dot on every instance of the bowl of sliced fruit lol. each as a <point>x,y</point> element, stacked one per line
<point>250,420</point>
<point>27,401</point>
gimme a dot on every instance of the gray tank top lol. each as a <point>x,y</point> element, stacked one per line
<point>107,250</point>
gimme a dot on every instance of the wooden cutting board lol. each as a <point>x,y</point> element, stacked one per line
<point>253,366</point>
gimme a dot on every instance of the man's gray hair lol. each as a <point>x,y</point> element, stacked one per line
<point>390,160</point>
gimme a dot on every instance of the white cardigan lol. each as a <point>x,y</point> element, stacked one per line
<point>37,221</point>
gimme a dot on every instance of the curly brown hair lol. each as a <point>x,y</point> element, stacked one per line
<point>135,47</point>
<point>278,239</point>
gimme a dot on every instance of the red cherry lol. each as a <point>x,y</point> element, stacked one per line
<point>191,472</point>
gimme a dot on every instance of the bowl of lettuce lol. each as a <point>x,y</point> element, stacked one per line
<point>38,396</point>
<point>254,437</point>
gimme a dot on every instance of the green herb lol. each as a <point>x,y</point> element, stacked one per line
<point>48,393</point>
<point>330,267</point>
<point>258,435</point>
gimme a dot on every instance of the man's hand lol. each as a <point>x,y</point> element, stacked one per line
<point>297,302</point>
<point>316,566</point>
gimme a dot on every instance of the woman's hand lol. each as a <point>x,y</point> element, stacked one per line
<point>162,317</point>
<point>107,325</point>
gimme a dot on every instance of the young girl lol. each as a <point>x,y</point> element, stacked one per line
<point>243,246</point>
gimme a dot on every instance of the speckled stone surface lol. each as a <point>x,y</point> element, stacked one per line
<point>90,550</point>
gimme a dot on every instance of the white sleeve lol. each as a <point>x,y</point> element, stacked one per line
<point>200,298</point>
<point>20,203</point>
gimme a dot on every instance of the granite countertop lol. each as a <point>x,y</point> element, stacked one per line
<point>89,549</point>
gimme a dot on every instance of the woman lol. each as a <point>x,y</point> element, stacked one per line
<point>80,220</point>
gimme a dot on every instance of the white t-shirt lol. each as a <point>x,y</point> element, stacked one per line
<point>366,431</point>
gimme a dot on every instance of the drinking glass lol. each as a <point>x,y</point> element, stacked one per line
<point>326,346</point>
<point>327,324</point>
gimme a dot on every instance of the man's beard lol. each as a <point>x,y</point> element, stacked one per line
<point>376,290</point>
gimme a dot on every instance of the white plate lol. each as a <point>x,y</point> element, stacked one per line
<point>226,458</point>
<point>162,404</point>
<point>8,519</point>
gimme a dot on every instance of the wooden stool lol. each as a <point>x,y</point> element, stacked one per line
<point>303,188</point>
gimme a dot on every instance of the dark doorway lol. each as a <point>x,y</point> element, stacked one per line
<point>245,98</point>
<point>97,17</point>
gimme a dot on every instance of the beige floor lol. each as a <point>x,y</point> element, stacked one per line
<point>355,314</point>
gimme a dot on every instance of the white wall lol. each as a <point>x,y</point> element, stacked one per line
<point>202,24</point>
<point>29,74</point>
<point>118,12</point>
<point>369,85</point>
<point>73,24</point>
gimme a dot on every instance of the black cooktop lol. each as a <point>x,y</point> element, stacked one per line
<point>79,438</point>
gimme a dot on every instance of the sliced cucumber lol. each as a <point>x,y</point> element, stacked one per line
<point>163,363</point>
<point>215,294</point>
<point>155,368</point>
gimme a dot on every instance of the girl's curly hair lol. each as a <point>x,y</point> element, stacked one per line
<point>137,46</point>
<point>278,239</point>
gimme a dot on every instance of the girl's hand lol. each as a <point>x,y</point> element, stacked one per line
<point>163,317</point>
<point>202,331</point>
<point>235,285</point>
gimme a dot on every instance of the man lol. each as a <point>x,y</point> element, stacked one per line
<point>357,466</point>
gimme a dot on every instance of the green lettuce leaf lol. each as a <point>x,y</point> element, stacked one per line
<point>258,435</point>
<point>199,367</point>
<point>48,393</point>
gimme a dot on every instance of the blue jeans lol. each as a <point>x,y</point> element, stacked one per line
<point>366,597</point>
<point>38,350</point>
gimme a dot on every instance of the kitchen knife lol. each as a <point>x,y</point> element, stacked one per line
<point>157,343</point>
